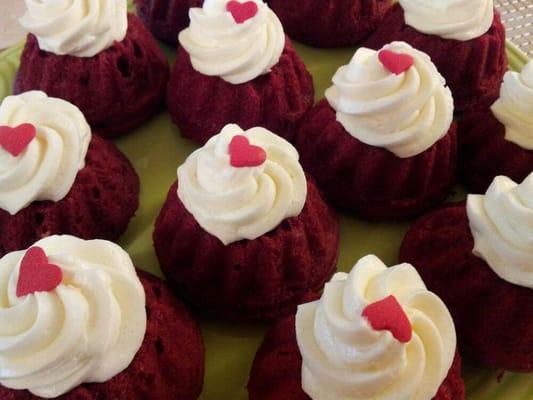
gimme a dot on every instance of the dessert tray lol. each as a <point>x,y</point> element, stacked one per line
<point>156,149</point>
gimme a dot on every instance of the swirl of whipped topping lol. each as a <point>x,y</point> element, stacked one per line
<point>501,222</point>
<point>80,28</point>
<point>236,52</point>
<point>46,170</point>
<point>86,330</point>
<point>344,358</point>
<point>450,19</point>
<point>242,203</point>
<point>514,108</point>
<point>405,114</point>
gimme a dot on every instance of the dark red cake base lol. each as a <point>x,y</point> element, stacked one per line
<point>169,364</point>
<point>166,18</point>
<point>250,279</point>
<point>201,105</point>
<point>331,23</point>
<point>117,90</point>
<point>100,204</point>
<point>484,153</point>
<point>371,181</point>
<point>473,69</point>
<point>492,316</point>
<point>277,369</point>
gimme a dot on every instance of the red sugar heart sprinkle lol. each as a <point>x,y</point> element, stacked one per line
<point>242,12</point>
<point>16,140</point>
<point>243,154</point>
<point>36,274</point>
<point>395,62</point>
<point>387,314</point>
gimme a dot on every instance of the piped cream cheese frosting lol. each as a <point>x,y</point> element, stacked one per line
<point>236,203</point>
<point>47,168</point>
<point>220,46</point>
<point>405,113</point>
<point>80,28</point>
<point>88,329</point>
<point>450,19</point>
<point>514,108</point>
<point>344,358</point>
<point>501,222</point>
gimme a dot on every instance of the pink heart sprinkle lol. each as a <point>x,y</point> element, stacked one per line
<point>243,154</point>
<point>16,140</point>
<point>395,62</point>
<point>242,12</point>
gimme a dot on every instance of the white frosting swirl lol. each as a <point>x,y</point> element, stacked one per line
<point>242,203</point>
<point>86,330</point>
<point>514,108</point>
<point>80,28</point>
<point>237,53</point>
<point>501,222</point>
<point>46,170</point>
<point>344,358</point>
<point>450,19</point>
<point>405,114</point>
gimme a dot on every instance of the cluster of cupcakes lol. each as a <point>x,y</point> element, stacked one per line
<point>247,231</point>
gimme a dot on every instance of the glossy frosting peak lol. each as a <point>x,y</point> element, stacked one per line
<point>501,222</point>
<point>514,108</point>
<point>242,203</point>
<point>80,28</point>
<point>86,330</point>
<point>405,113</point>
<point>345,359</point>
<point>46,170</point>
<point>450,19</point>
<point>235,52</point>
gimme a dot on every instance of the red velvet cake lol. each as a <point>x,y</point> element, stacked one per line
<point>330,23</point>
<point>117,89</point>
<point>229,247</point>
<point>166,359</point>
<point>166,18</point>
<point>240,77</point>
<point>370,181</point>
<point>56,177</point>
<point>100,204</point>
<point>499,140</point>
<point>376,332</point>
<point>382,145</point>
<point>492,315</point>
<point>473,68</point>
<point>277,369</point>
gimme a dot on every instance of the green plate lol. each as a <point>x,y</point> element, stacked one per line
<point>156,150</point>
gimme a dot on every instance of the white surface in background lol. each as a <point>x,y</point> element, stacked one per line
<point>517,15</point>
<point>10,30</point>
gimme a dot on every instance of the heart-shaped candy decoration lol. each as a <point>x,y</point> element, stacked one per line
<point>36,274</point>
<point>242,12</point>
<point>16,140</point>
<point>388,314</point>
<point>395,62</point>
<point>243,154</point>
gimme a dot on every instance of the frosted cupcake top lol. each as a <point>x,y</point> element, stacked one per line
<point>501,222</point>
<point>514,108</point>
<point>80,28</point>
<point>71,312</point>
<point>43,144</point>
<point>242,184</point>
<point>236,41</point>
<point>450,19</point>
<point>376,333</point>
<point>393,98</point>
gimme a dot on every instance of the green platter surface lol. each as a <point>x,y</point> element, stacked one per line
<point>157,149</point>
